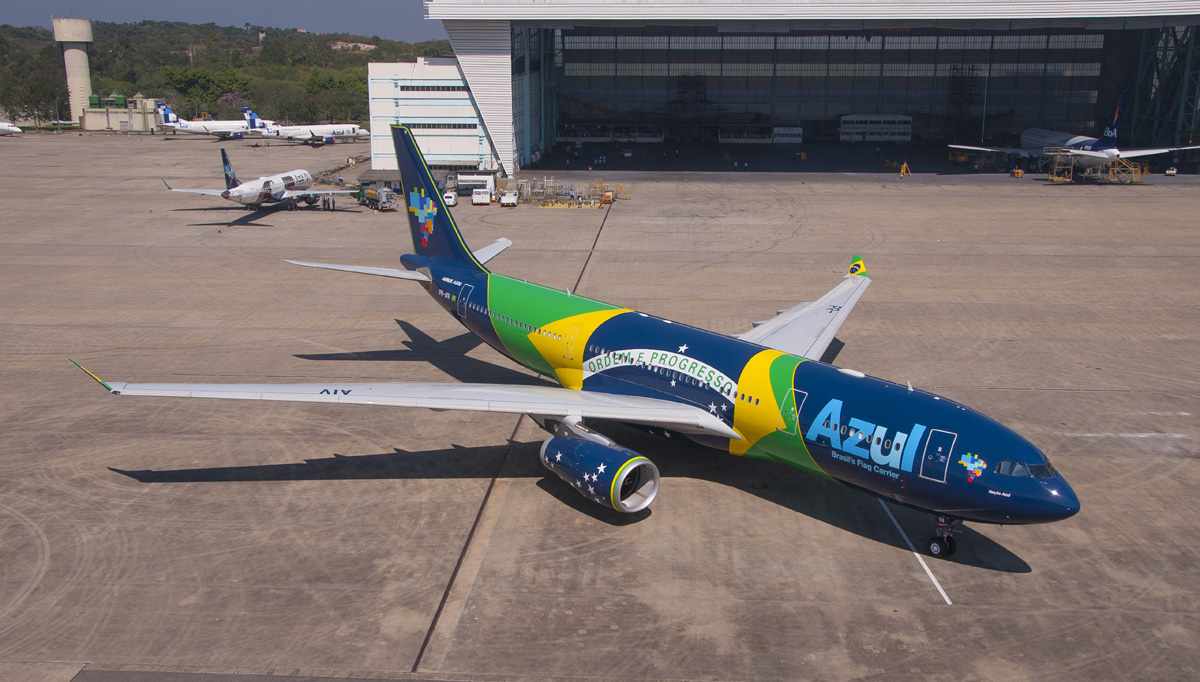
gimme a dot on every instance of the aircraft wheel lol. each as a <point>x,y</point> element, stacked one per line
<point>951,546</point>
<point>937,547</point>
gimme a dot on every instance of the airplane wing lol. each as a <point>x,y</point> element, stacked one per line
<point>205,192</point>
<point>1011,151</point>
<point>301,193</point>
<point>1090,154</point>
<point>1134,153</point>
<point>542,401</point>
<point>808,329</point>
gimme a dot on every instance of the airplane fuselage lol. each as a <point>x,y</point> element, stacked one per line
<point>322,134</point>
<point>904,444</point>
<point>269,189</point>
<point>7,128</point>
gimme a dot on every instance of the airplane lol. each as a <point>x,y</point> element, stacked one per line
<point>291,187</point>
<point>760,394</point>
<point>223,130</point>
<point>7,128</point>
<point>316,135</point>
<point>1090,151</point>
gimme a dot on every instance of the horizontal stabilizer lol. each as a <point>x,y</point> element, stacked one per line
<point>492,250</point>
<point>394,273</point>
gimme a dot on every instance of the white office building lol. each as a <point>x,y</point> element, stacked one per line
<point>431,97</point>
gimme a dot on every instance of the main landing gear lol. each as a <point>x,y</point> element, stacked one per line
<point>942,544</point>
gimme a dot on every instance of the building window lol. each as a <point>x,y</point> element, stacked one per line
<point>433,88</point>
<point>442,126</point>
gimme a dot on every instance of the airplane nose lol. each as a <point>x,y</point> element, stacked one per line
<point>1062,498</point>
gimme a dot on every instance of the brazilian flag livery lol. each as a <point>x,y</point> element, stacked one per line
<point>909,445</point>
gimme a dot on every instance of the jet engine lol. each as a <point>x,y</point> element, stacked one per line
<point>610,476</point>
<point>330,139</point>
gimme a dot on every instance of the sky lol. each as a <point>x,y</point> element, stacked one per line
<point>396,19</point>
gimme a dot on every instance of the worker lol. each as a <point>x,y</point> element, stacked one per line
<point>904,170</point>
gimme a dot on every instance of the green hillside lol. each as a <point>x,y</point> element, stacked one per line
<point>285,74</point>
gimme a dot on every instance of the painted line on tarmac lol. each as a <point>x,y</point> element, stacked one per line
<point>920,559</point>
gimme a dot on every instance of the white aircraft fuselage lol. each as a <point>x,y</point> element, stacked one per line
<point>7,128</point>
<point>325,133</point>
<point>269,189</point>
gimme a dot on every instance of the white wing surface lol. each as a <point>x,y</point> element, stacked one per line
<point>1134,153</point>
<point>395,273</point>
<point>1012,151</point>
<point>301,193</point>
<point>492,250</point>
<point>543,401</point>
<point>808,329</point>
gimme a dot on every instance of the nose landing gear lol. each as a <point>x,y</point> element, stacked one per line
<point>942,545</point>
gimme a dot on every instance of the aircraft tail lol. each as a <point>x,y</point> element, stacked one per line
<point>1110,132</point>
<point>434,233</point>
<point>253,120</point>
<point>231,179</point>
<point>168,114</point>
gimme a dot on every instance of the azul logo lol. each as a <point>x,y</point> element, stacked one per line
<point>866,441</point>
<point>424,209</point>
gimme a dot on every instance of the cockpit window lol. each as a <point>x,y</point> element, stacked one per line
<point>1004,468</point>
<point>1019,469</point>
<point>1042,470</point>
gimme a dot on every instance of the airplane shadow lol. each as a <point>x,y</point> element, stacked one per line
<point>830,502</point>
<point>450,356</point>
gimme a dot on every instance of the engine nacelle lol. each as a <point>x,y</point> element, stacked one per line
<point>614,477</point>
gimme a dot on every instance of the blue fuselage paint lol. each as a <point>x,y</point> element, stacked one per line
<point>904,444</point>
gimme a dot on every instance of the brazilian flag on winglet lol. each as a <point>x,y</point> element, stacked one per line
<point>858,267</point>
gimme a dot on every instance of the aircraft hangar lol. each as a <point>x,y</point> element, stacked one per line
<point>710,72</point>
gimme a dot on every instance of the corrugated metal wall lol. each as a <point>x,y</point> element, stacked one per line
<point>484,51</point>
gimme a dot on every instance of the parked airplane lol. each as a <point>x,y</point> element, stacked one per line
<point>7,128</point>
<point>1038,142</point>
<point>757,395</point>
<point>291,187</point>
<point>224,130</point>
<point>316,135</point>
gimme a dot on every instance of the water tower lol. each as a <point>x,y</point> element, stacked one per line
<point>73,37</point>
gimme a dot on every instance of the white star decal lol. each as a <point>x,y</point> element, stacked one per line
<point>672,383</point>
<point>578,483</point>
<point>591,490</point>
<point>683,348</point>
<point>600,469</point>
<point>724,407</point>
<point>558,457</point>
<point>712,407</point>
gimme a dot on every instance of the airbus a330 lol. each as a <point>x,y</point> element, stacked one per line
<point>759,395</point>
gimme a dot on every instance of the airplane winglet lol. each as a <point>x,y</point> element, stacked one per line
<point>93,375</point>
<point>164,182</point>
<point>858,267</point>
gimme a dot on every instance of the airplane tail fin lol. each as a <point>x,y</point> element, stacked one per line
<point>253,120</point>
<point>168,114</point>
<point>231,180</point>
<point>1110,132</point>
<point>434,233</point>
